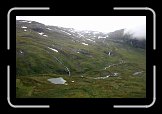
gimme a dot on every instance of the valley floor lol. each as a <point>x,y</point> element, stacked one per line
<point>122,86</point>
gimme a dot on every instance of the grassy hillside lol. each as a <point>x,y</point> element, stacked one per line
<point>88,65</point>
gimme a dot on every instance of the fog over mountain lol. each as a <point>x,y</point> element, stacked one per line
<point>138,32</point>
<point>132,24</point>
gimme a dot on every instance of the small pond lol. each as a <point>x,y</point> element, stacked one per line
<point>59,80</point>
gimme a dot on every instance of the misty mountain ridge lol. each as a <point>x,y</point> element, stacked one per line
<point>118,35</point>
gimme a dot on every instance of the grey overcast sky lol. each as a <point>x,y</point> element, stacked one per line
<point>132,24</point>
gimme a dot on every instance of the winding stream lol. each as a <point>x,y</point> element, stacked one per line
<point>104,77</point>
<point>63,65</point>
<point>121,62</point>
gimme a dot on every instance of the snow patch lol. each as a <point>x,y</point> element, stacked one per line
<point>66,32</point>
<point>29,22</point>
<point>26,21</point>
<point>116,74</point>
<point>48,28</point>
<point>137,73</point>
<point>80,35</point>
<point>85,44</point>
<point>45,35</point>
<point>91,40</point>
<point>52,49</point>
<point>40,33</point>
<point>23,27</point>
<point>72,31</point>
<point>96,32</point>
<point>101,37</point>
<point>86,31</point>
<point>107,67</point>
<point>23,21</point>
<point>25,30</point>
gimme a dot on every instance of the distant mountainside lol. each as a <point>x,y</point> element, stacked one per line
<point>54,50</point>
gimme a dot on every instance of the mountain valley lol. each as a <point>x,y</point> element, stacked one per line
<point>91,64</point>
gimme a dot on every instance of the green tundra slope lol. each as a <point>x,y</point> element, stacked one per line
<point>94,64</point>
